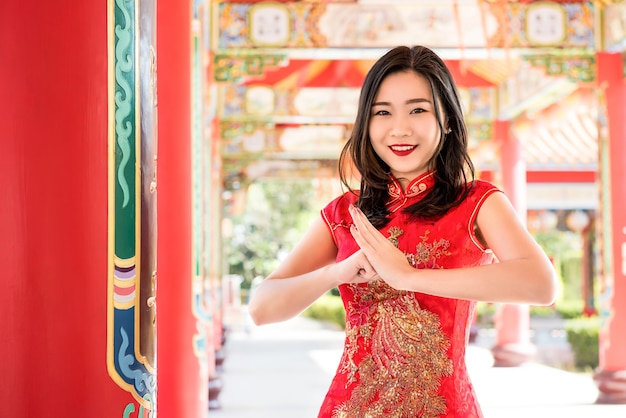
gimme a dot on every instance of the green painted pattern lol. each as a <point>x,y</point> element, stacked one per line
<point>125,127</point>
<point>130,408</point>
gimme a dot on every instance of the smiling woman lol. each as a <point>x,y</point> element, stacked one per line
<point>404,127</point>
<point>411,251</point>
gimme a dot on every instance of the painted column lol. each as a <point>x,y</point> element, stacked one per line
<point>203,199</point>
<point>54,216</point>
<point>611,374</point>
<point>131,357</point>
<point>512,321</point>
<point>183,382</point>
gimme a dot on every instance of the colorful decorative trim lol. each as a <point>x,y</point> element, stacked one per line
<point>127,365</point>
<point>579,68</point>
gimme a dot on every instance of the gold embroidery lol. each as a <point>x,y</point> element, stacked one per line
<point>427,254</point>
<point>406,349</point>
<point>394,233</point>
<point>416,189</point>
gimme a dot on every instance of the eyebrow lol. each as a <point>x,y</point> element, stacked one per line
<point>410,101</point>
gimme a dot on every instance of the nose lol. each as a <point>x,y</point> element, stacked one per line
<point>401,127</point>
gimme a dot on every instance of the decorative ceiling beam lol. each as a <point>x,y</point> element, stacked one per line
<point>539,99</point>
<point>256,40</point>
<point>234,67</point>
<point>613,29</point>
<point>579,68</point>
<point>463,27</point>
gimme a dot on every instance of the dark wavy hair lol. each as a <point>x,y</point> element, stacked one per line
<point>451,163</point>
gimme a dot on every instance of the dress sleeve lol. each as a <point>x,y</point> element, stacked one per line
<point>479,193</point>
<point>337,217</point>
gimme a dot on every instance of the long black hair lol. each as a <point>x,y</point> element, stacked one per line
<point>451,163</point>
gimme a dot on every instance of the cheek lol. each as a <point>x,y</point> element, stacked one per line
<point>432,132</point>
<point>376,131</point>
<point>371,128</point>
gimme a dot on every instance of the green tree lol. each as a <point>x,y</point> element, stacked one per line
<point>275,216</point>
<point>565,250</point>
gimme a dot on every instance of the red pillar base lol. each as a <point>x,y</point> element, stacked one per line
<point>513,346</point>
<point>220,356</point>
<point>215,387</point>
<point>612,386</point>
<point>512,355</point>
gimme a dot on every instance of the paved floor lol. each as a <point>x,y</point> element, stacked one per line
<point>283,371</point>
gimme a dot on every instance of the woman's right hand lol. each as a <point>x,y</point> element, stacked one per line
<point>355,269</point>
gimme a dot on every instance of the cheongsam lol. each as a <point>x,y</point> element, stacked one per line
<point>404,352</point>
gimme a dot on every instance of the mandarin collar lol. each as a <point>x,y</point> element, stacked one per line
<point>418,186</point>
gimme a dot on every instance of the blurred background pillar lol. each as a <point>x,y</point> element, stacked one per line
<point>512,321</point>
<point>611,374</point>
<point>581,222</point>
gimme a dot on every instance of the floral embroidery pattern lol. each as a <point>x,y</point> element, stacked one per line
<point>427,254</point>
<point>394,233</point>
<point>407,349</point>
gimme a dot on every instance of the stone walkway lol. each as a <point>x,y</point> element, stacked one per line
<point>283,371</point>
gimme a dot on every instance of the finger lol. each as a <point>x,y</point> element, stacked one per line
<point>364,228</point>
<point>367,272</point>
<point>359,218</point>
<point>363,243</point>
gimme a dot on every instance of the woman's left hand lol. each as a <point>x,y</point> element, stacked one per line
<point>389,262</point>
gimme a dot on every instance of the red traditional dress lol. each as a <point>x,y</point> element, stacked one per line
<point>404,353</point>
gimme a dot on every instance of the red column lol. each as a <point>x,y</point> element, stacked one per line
<point>53,215</point>
<point>588,267</point>
<point>182,391</point>
<point>512,321</point>
<point>611,375</point>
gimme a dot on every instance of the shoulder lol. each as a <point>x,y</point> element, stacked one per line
<point>480,186</point>
<point>479,190</point>
<point>337,210</point>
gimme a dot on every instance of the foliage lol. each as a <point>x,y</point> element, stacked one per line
<point>327,308</point>
<point>485,312</point>
<point>565,250</point>
<point>544,311</point>
<point>566,309</point>
<point>275,216</point>
<point>583,337</point>
<point>556,243</point>
<point>569,309</point>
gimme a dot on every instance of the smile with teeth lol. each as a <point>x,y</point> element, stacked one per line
<point>403,149</point>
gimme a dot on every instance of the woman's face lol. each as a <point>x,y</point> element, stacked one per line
<point>403,126</point>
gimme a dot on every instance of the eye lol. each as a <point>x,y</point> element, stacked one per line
<point>381,112</point>
<point>417,110</point>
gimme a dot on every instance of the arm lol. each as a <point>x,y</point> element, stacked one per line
<point>307,273</point>
<point>524,274</point>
